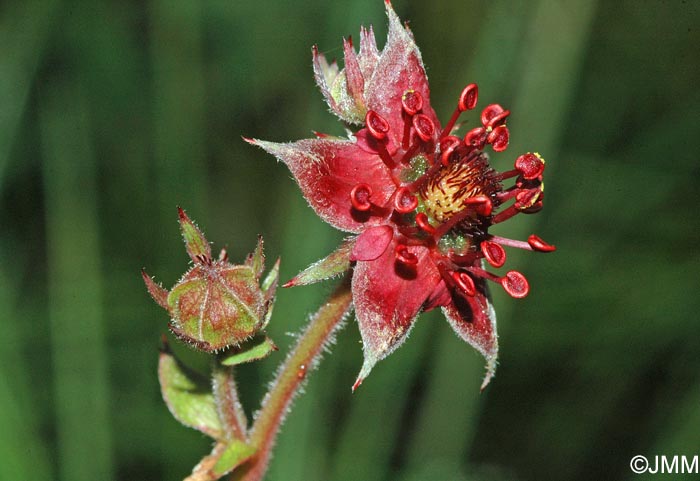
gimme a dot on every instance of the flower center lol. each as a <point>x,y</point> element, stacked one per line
<point>447,191</point>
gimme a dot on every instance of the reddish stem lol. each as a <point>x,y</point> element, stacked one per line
<point>289,379</point>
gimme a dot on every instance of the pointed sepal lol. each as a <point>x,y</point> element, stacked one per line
<point>195,242</point>
<point>188,395</point>
<point>157,292</point>
<point>388,295</point>
<point>336,263</point>
<point>473,319</point>
<point>256,260</point>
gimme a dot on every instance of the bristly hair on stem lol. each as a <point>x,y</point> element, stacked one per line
<point>290,377</point>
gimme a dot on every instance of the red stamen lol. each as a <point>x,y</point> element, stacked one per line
<point>476,138</point>
<point>481,204</point>
<point>385,156</point>
<point>498,138</point>
<point>539,245</point>
<point>494,253</point>
<point>376,124</point>
<point>465,282</point>
<point>509,174</point>
<point>527,198</point>
<point>515,284</point>
<point>499,119</point>
<point>424,224</point>
<point>404,201</point>
<point>530,165</point>
<point>467,101</point>
<point>505,214</point>
<point>490,112</point>
<point>468,98</point>
<point>408,155</point>
<point>447,146</point>
<point>412,102</point>
<point>425,128</point>
<point>404,256</point>
<point>359,197</point>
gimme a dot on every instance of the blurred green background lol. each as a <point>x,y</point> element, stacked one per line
<point>112,113</point>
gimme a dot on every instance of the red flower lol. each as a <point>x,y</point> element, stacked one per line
<point>420,199</point>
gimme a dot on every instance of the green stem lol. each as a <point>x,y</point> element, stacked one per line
<point>289,379</point>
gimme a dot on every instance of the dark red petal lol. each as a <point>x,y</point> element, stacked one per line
<point>400,68</point>
<point>438,298</point>
<point>388,296</point>
<point>372,243</point>
<point>327,170</point>
<point>474,320</point>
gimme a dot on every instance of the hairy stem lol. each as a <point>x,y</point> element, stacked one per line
<point>230,410</point>
<point>290,376</point>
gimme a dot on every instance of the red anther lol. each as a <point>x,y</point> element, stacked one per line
<point>498,138</point>
<point>527,199</point>
<point>515,284</point>
<point>494,253</point>
<point>465,282</point>
<point>467,101</point>
<point>481,204</point>
<point>476,138</point>
<point>534,208</point>
<point>499,119</point>
<point>448,140</point>
<point>447,146</point>
<point>376,124</point>
<point>359,197</point>
<point>404,201</point>
<point>424,223</point>
<point>425,128</point>
<point>412,102</point>
<point>538,244</point>
<point>489,113</point>
<point>404,256</point>
<point>530,165</point>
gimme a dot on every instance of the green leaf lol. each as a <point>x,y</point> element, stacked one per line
<point>188,395</point>
<point>252,350</point>
<point>195,242</point>
<point>335,264</point>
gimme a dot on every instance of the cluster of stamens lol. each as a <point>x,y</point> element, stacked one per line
<point>449,206</point>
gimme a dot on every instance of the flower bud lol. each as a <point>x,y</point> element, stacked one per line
<point>217,304</point>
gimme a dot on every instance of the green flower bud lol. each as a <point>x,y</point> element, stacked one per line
<point>217,304</point>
